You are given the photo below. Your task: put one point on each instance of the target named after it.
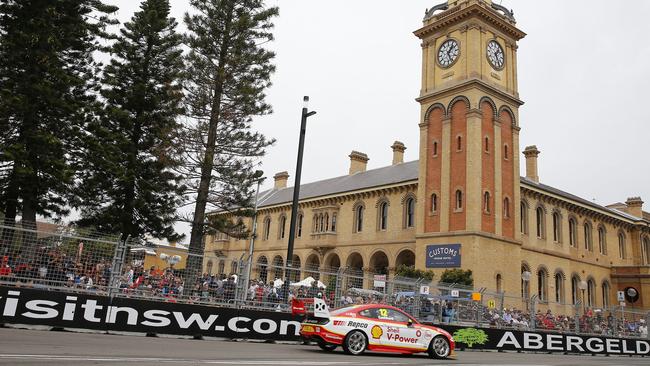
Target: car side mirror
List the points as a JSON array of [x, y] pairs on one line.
[[409, 323]]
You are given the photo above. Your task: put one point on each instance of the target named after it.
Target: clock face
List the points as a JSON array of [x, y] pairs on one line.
[[495, 55], [448, 53]]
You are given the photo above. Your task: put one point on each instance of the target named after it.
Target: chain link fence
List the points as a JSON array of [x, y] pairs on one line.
[[58, 258]]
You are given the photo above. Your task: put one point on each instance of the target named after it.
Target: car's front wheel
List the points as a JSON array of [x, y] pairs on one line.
[[439, 347], [326, 346], [355, 343]]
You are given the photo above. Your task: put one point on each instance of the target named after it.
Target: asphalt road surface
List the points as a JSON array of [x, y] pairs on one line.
[[39, 347]]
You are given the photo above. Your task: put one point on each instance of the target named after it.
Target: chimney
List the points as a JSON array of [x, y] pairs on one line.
[[635, 206], [531, 154], [398, 152], [358, 162], [281, 180]]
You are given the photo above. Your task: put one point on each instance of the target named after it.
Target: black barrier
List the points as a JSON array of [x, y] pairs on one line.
[[69, 310], [516, 340]]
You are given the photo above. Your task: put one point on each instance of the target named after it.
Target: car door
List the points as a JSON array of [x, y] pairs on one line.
[[399, 332]]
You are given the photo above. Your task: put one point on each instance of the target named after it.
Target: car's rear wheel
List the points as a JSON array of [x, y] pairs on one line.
[[326, 346], [355, 343], [439, 347]]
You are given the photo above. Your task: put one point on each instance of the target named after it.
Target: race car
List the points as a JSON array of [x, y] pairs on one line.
[[374, 327]]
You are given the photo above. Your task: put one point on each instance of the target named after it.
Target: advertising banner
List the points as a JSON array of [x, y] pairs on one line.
[[525, 341], [443, 256], [68, 310]]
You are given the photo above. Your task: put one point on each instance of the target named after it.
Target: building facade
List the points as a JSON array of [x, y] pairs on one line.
[[465, 189]]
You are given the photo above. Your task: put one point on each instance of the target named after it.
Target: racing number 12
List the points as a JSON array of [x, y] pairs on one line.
[[383, 312]]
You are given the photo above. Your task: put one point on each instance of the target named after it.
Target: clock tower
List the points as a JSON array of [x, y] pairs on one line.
[[469, 131]]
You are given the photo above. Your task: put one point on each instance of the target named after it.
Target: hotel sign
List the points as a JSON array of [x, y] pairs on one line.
[[443, 256]]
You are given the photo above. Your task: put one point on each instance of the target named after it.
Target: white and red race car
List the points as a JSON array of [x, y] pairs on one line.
[[374, 327]]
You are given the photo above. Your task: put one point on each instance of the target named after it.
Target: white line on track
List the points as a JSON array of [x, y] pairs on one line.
[[193, 361]]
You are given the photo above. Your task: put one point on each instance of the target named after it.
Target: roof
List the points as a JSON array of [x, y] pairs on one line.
[[392, 174], [395, 174]]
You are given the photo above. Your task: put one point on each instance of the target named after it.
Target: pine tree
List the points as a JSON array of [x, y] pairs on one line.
[[129, 183], [47, 88], [229, 72]]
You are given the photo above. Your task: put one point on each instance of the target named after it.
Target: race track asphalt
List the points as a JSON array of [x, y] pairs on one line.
[[42, 347]]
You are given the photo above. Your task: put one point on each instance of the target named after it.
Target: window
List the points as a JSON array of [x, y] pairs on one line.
[[542, 285], [559, 288], [602, 240], [573, 232], [574, 289], [209, 267], [333, 223], [646, 250], [358, 218], [283, 225], [487, 144], [299, 231], [435, 148], [434, 203], [459, 143], [524, 217], [621, 246], [505, 152], [409, 220], [267, 228], [321, 222], [606, 294], [557, 226], [591, 293], [506, 208], [540, 222], [459, 200], [327, 222], [385, 314], [486, 202], [499, 283], [383, 215], [525, 288], [589, 244]]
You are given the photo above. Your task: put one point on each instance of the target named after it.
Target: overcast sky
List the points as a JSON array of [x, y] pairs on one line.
[[584, 76]]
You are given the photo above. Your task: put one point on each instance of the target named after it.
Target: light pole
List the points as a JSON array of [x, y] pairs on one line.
[[582, 285], [525, 278], [296, 194]]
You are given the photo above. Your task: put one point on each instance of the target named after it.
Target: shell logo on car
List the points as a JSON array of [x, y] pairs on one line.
[[374, 327]]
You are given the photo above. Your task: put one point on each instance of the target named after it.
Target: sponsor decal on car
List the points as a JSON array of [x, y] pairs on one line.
[[418, 333], [392, 330], [356, 324], [376, 332], [339, 322], [399, 338]]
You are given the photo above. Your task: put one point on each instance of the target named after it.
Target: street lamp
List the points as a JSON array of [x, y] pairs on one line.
[[582, 285], [296, 193], [525, 278]]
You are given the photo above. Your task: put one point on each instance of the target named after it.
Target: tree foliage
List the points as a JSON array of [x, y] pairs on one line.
[[457, 276], [411, 272], [129, 183]]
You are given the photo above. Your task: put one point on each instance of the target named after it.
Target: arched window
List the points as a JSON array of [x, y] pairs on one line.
[[559, 288], [315, 224], [383, 215], [541, 227], [409, 219], [542, 285], [267, 228], [459, 199], [602, 240], [208, 267], [434, 203], [321, 222], [487, 144], [299, 228], [525, 283], [435, 148], [283, 226], [486, 202], [589, 243], [524, 217], [575, 296], [506, 208], [606, 294], [557, 227], [505, 151], [499, 283], [573, 232], [358, 218], [327, 222], [622, 252], [591, 293], [333, 222], [222, 266], [646, 250], [459, 143]]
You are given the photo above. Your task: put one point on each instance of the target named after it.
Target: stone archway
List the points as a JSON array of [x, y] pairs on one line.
[[312, 266], [379, 263], [277, 267], [262, 268], [354, 271], [405, 258], [294, 275], [333, 262]]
